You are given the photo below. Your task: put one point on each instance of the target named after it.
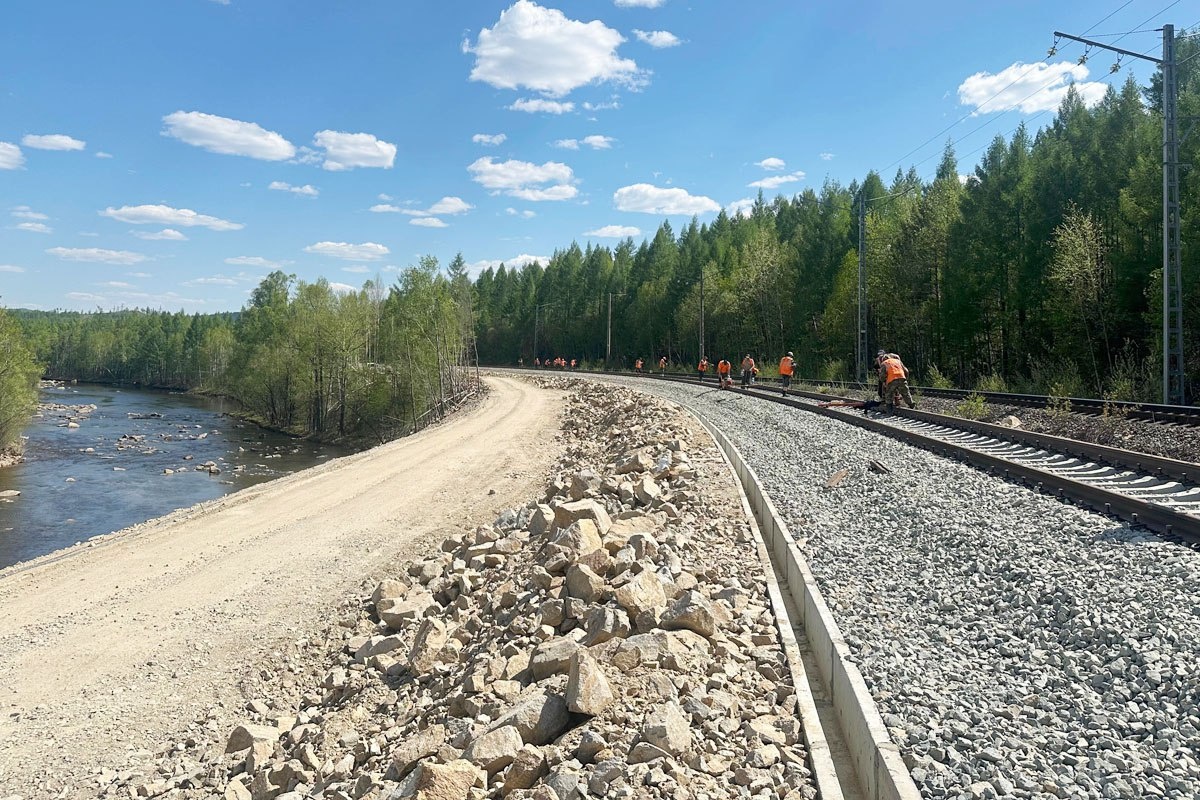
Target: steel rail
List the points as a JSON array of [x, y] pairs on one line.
[[1152, 412], [1156, 517]]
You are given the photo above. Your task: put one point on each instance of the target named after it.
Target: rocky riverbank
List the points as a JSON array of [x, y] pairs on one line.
[[610, 638]]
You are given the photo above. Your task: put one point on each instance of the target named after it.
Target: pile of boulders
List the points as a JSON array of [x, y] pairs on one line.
[[612, 638]]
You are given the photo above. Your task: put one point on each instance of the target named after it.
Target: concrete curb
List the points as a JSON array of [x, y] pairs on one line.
[[820, 759], [878, 765]]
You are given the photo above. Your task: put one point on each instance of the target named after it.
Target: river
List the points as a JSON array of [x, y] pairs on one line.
[[110, 472]]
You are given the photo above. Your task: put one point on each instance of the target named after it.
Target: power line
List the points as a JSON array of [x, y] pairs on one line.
[[1015, 80]]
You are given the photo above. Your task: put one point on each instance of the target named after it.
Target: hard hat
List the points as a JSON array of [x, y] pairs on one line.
[[789, 352]]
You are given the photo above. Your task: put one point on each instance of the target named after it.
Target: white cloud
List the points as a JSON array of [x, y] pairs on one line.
[[525, 180], [10, 156], [165, 235], [655, 200], [614, 232], [342, 288], [52, 141], [1035, 87], [25, 212], [215, 280], [255, 261], [165, 215], [516, 262], [138, 275], [450, 205], [229, 137], [35, 227], [356, 270], [525, 213], [345, 151], [86, 297], [306, 190], [567, 144], [387, 208], [427, 222], [11, 268], [657, 39], [639, 3], [489, 139], [740, 208], [385, 197], [613, 104], [775, 181], [598, 142], [117, 284], [541, 106], [542, 49], [368, 251], [96, 254], [827, 156], [102, 154], [772, 164]]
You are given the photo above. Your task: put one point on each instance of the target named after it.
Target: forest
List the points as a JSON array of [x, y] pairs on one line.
[[300, 357], [1038, 271]]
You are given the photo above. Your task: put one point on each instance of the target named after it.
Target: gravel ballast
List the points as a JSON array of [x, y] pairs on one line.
[[1016, 646]]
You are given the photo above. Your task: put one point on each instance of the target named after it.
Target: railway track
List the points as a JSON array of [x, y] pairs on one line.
[[1158, 493], [1151, 412]]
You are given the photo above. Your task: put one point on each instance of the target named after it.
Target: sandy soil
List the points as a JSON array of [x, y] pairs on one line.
[[106, 650]]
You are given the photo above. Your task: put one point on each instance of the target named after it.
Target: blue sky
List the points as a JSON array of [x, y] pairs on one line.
[[170, 153]]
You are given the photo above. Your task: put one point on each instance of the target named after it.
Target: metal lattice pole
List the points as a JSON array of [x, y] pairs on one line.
[[861, 348], [1173, 388]]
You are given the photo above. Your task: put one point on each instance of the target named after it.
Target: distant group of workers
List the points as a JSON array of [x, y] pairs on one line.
[[557, 363], [892, 375]]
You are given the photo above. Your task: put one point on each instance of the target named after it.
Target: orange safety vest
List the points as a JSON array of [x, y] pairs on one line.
[[747, 363], [892, 370], [638, 363], [786, 364], [723, 367], [703, 365], [662, 363]]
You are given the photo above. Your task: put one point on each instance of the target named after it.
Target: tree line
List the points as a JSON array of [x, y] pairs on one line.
[[299, 357], [19, 373], [1040, 271]]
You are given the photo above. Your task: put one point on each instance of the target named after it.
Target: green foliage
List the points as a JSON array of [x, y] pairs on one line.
[[300, 357], [833, 371], [18, 382], [991, 383], [973, 406], [937, 380], [1058, 403]]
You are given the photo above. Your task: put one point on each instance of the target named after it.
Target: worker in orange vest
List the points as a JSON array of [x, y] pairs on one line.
[[573, 363], [787, 366], [662, 365], [893, 380], [748, 370], [723, 368], [637, 365], [537, 362], [702, 367]]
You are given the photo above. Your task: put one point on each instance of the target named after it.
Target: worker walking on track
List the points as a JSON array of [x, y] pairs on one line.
[[723, 369], [637, 365], [787, 365], [662, 366], [702, 367], [893, 380], [748, 370]]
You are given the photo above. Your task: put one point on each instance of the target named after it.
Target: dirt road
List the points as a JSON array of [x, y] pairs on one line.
[[105, 650]]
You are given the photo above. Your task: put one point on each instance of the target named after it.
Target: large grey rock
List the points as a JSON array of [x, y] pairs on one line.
[[567, 514], [552, 657], [415, 747], [430, 639], [432, 781], [579, 538], [391, 589], [528, 765], [540, 716], [396, 613], [583, 583], [495, 750], [668, 729], [588, 691], [246, 735], [642, 594], [692, 611], [638, 462]]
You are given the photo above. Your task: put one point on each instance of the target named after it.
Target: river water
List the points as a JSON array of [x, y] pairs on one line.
[[78, 482]]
